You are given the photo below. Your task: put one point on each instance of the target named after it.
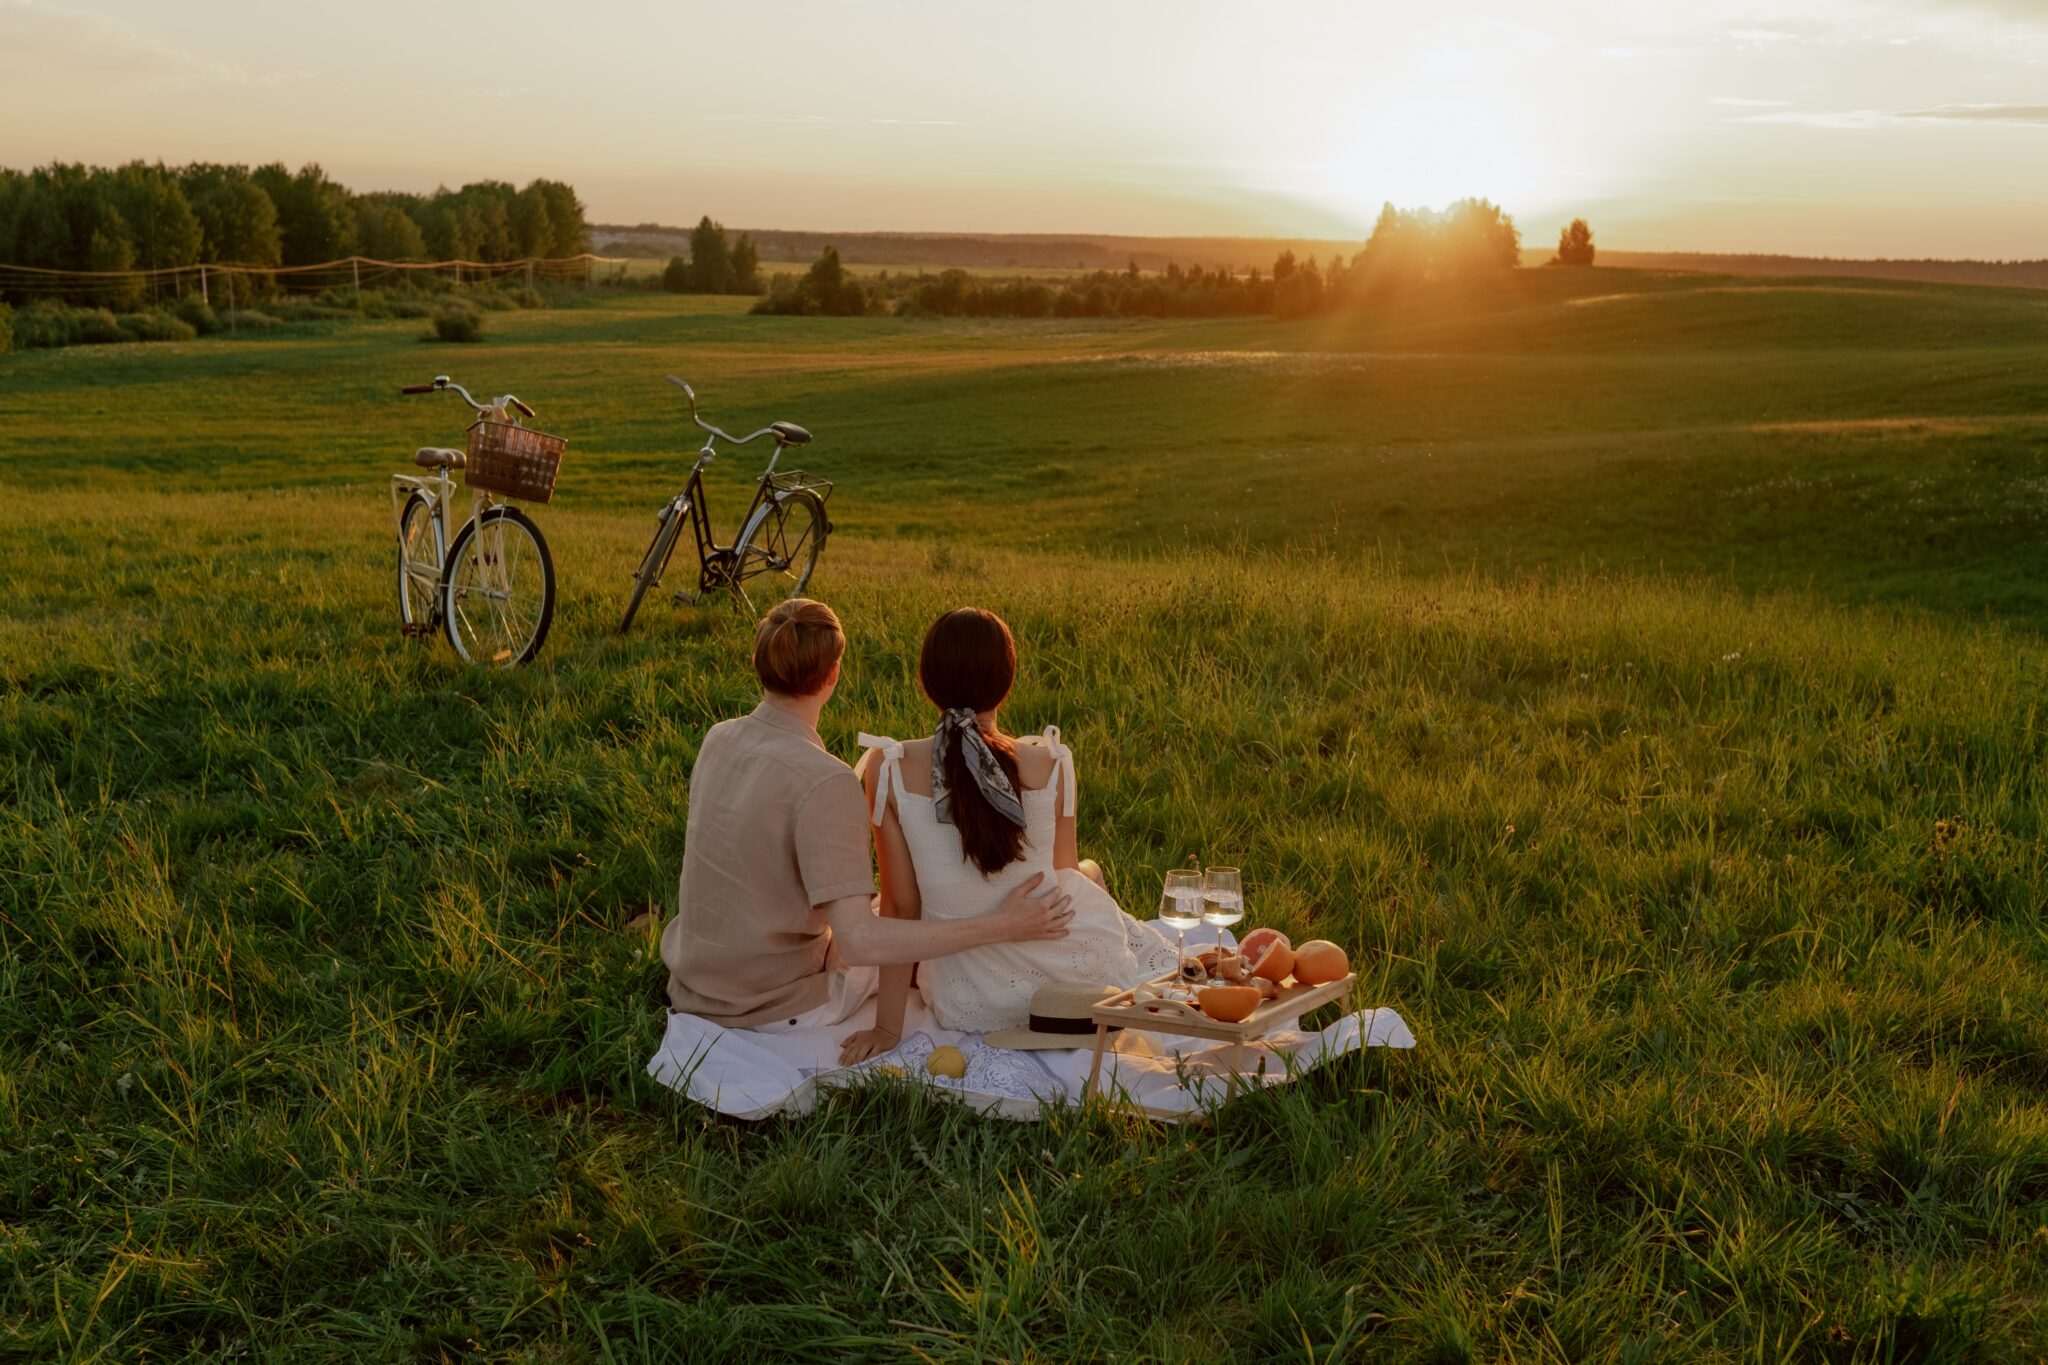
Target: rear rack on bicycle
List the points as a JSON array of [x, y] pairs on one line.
[[789, 480]]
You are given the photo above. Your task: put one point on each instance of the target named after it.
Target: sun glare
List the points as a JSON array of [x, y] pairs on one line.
[[1427, 146]]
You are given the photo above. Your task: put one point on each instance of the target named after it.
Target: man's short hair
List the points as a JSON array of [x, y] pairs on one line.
[[796, 646]]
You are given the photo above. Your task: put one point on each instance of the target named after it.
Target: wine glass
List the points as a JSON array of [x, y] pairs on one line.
[[1181, 909], [1222, 899]]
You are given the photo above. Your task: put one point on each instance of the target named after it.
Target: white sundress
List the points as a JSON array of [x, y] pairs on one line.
[[991, 987]]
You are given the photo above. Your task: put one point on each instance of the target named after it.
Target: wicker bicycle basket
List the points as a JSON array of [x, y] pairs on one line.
[[513, 460]]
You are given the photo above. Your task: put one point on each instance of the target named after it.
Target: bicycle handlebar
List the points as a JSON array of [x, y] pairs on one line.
[[731, 439], [443, 382]]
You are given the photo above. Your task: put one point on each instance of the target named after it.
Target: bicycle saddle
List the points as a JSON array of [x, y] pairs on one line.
[[434, 457], [790, 434]]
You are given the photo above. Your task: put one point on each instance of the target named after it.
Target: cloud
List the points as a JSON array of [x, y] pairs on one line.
[[41, 44], [2023, 114], [2009, 115], [1825, 118], [1738, 102], [1760, 37]]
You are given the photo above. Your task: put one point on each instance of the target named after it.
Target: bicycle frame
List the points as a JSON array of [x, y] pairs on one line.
[[692, 499], [758, 548], [691, 502], [438, 488]]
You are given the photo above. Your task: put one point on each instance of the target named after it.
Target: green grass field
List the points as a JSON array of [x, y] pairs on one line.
[[1642, 673]]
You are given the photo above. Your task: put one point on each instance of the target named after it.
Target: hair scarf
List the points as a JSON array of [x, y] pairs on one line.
[[958, 727]]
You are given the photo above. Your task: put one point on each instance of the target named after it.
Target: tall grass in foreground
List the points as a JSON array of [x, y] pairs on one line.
[[321, 1029]]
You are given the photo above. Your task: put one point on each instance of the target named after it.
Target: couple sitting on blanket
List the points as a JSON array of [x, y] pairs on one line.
[[776, 924]]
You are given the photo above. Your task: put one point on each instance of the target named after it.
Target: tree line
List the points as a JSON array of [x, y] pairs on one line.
[[145, 216], [1469, 240]]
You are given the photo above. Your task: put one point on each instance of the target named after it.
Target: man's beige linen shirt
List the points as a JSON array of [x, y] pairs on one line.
[[778, 827]]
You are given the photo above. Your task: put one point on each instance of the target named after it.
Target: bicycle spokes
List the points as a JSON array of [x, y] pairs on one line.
[[498, 598]]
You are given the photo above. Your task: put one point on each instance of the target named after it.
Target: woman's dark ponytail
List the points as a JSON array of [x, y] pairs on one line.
[[969, 660]]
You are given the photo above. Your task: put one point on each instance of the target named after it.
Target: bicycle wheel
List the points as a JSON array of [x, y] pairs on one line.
[[779, 552], [420, 555], [498, 589], [654, 563]]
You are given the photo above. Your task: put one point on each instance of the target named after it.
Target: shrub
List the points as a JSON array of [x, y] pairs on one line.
[[196, 314], [45, 322], [529, 297], [99, 327], [409, 308], [456, 320], [6, 328], [246, 320], [307, 310], [155, 325], [493, 300]]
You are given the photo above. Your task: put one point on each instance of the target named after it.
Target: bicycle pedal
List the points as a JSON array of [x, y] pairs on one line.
[[414, 630], [689, 599]]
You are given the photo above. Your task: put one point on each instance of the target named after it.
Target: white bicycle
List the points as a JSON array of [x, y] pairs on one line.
[[489, 586]]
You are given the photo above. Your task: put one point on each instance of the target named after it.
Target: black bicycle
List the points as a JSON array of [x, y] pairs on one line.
[[780, 537]]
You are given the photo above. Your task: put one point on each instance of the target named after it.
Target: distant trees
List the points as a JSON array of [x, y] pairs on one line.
[[385, 230], [824, 290], [145, 216], [64, 217], [1472, 237], [315, 221], [714, 267], [1298, 290], [955, 293], [162, 229], [1177, 292], [237, 220], [1575, 244], [746, 266], [710, 261]]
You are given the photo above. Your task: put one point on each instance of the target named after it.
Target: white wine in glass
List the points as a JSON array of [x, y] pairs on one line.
[[1180, 909], [1222, 898]]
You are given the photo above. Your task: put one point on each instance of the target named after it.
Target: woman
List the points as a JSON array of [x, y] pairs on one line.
[[959, 818]]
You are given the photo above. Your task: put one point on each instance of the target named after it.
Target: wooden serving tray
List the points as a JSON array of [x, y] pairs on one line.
[[1121, 1010]]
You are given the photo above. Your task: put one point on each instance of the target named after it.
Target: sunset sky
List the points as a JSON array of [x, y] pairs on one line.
[[1845, 127]]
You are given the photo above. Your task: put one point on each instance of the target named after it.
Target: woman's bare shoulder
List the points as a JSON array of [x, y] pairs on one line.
[[1034, 761]]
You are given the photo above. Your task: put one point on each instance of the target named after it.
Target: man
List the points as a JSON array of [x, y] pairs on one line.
[[775, 925]]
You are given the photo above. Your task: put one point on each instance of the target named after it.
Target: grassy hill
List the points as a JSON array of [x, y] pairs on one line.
[[1638, 671]]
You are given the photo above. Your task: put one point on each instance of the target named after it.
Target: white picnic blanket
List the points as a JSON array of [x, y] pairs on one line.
[[750, 1075]]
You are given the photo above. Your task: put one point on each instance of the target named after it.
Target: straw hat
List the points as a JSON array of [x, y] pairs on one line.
[[1062, 1015]]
